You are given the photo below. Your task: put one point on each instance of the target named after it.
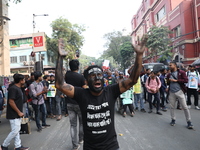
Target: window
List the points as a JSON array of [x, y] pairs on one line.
[[13, 59], [22, 58], [13, 42], [31, 58], [160, 14], [177, 31]]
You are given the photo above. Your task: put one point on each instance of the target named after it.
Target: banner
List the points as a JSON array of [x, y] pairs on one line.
[[39, 40], [52, 91]]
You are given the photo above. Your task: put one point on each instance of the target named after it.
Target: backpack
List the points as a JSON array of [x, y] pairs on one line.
[[29, 93], [1, 100], [150, 79]]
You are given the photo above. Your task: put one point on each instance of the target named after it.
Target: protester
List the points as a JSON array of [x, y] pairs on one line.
[[192, 87], [163, 89], [137, 90], [143, 79], [74, 78], [153, 85], [15, 112], [176, 80], [37, 90], [2, 102], [97, 103], [127, 102]]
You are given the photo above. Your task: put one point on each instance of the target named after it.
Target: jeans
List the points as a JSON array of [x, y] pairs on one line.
[[58, 105], [14, 134], [191, 92], [53, 105], [137, 98], [181, 98], [163, 97], [156, 99], [130, 106], [40, 108], [74, 112]]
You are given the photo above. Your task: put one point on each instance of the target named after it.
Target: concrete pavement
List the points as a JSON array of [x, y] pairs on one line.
[[142, 132]]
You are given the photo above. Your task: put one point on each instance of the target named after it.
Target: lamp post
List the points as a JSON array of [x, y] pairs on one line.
[[34, 15]]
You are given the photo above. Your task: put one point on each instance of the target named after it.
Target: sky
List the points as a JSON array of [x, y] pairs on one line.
[[99, 17]]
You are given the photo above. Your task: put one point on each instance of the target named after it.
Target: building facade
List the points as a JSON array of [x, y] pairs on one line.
[[22, 58], [183, 19]]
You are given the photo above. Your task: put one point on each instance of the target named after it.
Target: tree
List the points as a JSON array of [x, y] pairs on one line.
[[114, 41], [127, 54], [71, 34], [159, 42]]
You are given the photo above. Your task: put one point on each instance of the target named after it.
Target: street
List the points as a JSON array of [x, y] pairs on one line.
[[142, 132]]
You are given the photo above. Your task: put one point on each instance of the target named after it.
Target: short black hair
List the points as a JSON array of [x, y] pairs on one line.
[[46, 76], [32, 73], [173, 62], [37, 74], [17, 77], [74, 64], [85, 73]]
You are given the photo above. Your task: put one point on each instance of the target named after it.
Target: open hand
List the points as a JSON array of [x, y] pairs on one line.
[[140, 47]]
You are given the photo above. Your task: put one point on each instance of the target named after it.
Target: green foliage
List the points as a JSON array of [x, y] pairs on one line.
[[71, 34], [113, 52], [126, 51], [159, 42]]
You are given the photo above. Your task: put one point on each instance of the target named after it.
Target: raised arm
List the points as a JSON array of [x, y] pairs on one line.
[[135, 70], [65, 88]]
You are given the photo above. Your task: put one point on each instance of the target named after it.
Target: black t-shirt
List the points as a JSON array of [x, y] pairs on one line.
[[98, 117], [74, 79], [16, 94]]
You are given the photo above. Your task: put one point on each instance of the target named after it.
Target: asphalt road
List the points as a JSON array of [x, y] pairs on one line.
[[142, 132]]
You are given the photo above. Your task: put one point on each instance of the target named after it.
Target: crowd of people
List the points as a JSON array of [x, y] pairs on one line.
[[91, 97]]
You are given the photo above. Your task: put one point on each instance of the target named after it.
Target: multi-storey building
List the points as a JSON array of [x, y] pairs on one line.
[[181, 16], [22, 58]]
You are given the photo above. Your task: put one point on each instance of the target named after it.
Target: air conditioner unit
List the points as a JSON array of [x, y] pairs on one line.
[[32, 62], [25, 63]]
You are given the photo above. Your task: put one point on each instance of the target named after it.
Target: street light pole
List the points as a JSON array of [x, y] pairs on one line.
[[34, 15]]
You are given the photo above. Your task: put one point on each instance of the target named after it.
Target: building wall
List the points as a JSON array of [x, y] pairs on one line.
[[21, 45], [4, 40], [177, 13]]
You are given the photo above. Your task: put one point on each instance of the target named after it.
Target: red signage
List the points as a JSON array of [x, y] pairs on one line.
[[38, 41]]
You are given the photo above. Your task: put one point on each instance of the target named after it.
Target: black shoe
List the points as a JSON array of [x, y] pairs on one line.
[[150, 111], [46, 125], [159, 113], [190, 126], [143, 110], [136, 108], [22, 148], [39, 130], [4, 148], [172, 123]]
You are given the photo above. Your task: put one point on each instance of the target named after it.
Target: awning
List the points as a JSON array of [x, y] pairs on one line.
[[196, 62]]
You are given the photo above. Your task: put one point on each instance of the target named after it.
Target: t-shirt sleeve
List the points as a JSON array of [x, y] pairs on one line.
[[114, 90], [78, 91], [12, 93]]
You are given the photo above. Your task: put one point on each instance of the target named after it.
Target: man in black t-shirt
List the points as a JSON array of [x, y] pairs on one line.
[[74, 78], [14, 112], [97, 103]]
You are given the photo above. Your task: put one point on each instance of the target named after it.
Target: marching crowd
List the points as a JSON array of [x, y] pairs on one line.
[[91, 98]]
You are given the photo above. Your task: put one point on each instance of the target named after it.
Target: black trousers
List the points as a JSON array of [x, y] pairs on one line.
[[191, 92]]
